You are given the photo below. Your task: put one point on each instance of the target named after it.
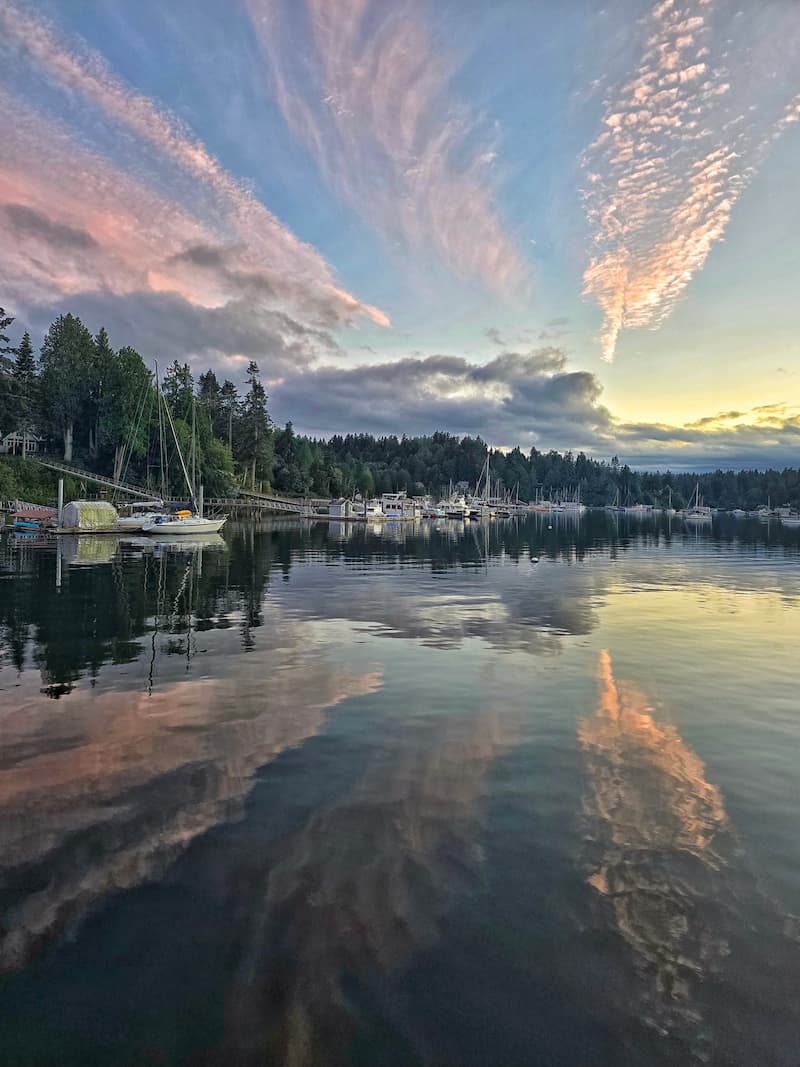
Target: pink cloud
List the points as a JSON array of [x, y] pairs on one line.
[[375, 108], [674, 156], [269, 242]]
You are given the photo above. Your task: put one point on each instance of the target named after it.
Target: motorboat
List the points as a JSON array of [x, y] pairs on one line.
[[456, 508]]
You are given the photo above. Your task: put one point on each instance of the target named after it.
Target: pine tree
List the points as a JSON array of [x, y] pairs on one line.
[[101, 371], [178, 389], [208, 391], [67, 356], [227, 413], [5, 322], [25, 382], [255, 429]]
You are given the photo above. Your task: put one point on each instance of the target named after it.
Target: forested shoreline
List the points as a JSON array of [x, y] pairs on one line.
[[96, 406]]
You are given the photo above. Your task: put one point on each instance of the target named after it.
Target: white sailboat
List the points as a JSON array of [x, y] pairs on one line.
[[479, 505], [186, 522], [697, 512]]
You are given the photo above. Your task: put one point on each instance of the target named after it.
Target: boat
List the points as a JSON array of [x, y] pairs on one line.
[[479, 503], [399, 507], [31, 516], [456, 507], [615, 507], [186, 522], [373, 511], [138, 519], [433, 511], [669, 509], [697, 512], [739, 513], [791, 519], [571, 506]]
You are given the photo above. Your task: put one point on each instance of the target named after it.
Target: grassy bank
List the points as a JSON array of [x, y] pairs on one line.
[[24, 479]]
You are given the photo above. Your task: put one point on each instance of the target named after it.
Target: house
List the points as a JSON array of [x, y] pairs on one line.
[[344, 509], [20, 443]]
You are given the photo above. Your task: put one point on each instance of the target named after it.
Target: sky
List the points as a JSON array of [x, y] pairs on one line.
[[560, 225]]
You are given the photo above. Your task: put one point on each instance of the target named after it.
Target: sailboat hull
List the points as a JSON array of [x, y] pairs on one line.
[[185, 526]]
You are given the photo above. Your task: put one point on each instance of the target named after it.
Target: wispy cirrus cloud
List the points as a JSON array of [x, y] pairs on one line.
[[369, 93], [264, 241], [681, 139]]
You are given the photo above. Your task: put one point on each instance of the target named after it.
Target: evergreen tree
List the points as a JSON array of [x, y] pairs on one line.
[[127, 404], [6, 400], [255, 429], [66, 360], [227, 413], [101, 370], [178, 389], [25, 382], [5, 322], [208, 394]]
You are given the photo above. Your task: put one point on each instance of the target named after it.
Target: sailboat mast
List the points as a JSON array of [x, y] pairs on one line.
[[168, 413], [162, 440], [194, 448]]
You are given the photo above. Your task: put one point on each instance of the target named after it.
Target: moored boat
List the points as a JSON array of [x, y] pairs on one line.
[[183, 522], [138, 519], [697, 511]]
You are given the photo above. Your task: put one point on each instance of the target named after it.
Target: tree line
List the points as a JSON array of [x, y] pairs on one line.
[[98, 407]]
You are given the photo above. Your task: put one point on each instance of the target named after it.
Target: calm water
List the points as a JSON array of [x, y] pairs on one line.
[[342, 795]]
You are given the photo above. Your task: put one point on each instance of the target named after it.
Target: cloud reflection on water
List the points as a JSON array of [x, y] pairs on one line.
[[671, 880], [106, 794], [363, 888]]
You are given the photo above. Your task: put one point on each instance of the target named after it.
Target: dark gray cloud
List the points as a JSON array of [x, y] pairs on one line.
[[29, 223], [165, 326], [227, 268], [527, 398]]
